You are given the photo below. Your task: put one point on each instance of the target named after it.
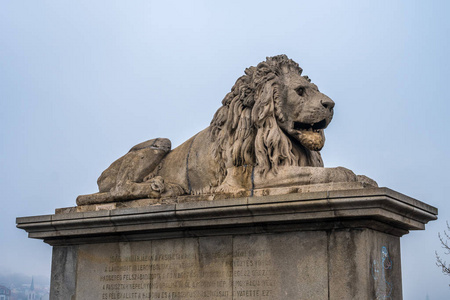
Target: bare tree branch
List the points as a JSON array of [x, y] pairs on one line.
[[445, 240]]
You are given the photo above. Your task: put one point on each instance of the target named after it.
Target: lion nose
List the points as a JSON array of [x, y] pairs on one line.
[[327, 103]]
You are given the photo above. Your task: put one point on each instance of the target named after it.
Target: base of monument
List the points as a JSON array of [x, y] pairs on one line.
[[320, 245]]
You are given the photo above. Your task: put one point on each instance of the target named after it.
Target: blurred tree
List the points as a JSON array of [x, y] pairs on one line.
[[445, 240]]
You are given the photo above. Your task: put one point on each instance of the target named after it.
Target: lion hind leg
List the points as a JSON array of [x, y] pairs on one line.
[[142, 159], [107, 179], [122, 179], [135, 165]]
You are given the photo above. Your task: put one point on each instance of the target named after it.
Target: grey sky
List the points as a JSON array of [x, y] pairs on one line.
[[81, 82]]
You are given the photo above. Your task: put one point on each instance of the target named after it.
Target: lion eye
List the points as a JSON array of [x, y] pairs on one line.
[[300, 91]]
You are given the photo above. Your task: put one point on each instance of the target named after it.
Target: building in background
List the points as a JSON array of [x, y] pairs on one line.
[[31, 293], [5, 293]]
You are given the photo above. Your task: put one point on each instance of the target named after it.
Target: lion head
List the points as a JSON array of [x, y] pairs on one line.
[[272, 117]]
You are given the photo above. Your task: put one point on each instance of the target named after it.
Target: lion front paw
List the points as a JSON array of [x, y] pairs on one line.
[[173, 190], [166, 189], [226, 188], [157, 184]]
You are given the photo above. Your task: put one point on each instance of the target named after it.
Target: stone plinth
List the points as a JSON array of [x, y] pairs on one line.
[[320, 245]]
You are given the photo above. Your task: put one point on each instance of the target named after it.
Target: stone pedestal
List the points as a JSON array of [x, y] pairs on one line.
[[320, 245]]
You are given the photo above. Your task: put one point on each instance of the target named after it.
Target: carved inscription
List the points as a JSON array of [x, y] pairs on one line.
[[186, 277], [126, 277], [254, 275], [176, 269]]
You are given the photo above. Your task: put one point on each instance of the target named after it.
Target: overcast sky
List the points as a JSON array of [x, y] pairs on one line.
[[81, 82]]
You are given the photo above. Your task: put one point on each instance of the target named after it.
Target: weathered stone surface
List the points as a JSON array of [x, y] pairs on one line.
[[64, 272], [378, 208], [309, 265], [317, 245], [267, 135], [283, 266], [274, 191], [114, 271], [193, 268], [365, 264], [286, 266]]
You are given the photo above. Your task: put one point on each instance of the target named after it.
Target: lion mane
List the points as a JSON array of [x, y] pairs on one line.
[[245, 129]]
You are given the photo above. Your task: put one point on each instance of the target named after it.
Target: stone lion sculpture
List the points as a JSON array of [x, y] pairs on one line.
[[267, 134]]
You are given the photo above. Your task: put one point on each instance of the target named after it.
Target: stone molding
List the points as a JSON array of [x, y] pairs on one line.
[[381, 209]]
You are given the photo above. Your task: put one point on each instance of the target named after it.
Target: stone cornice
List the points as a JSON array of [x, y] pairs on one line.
[[381, 209]]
